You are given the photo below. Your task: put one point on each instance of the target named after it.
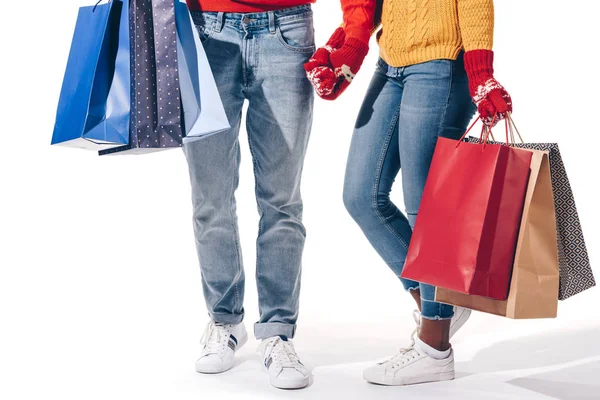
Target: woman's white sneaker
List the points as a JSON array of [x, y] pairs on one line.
[[283, 365], [461, 315], [411, 366], [219, 344]]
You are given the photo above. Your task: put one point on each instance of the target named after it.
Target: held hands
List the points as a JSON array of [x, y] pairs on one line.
[[333, 67], [319, 70], [492, 100]]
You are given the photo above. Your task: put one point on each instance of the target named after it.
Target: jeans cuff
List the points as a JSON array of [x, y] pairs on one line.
[[410, 285], [436, 318], [229, 319], [436, 311], [270, 329]]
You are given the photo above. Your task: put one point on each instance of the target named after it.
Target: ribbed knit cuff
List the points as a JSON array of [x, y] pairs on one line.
[[479, 65], [355, 49], [358, 34]]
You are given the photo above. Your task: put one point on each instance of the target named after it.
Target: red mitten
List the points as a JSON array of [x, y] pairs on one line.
[[346, 62], [321, 56], [332, 67], [490, 97], [318, 68]]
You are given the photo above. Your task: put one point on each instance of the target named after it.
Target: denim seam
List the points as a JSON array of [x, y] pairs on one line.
[[244, 54], [447, 99], [378, 179], [234, 226], [254, 168], [293, 17]]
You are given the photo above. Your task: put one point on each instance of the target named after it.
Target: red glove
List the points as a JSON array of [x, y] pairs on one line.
[[492, 100], [333, 67]]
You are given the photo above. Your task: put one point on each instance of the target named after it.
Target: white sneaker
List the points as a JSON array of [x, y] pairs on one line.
[[284, 367], [461, 315], [220, 343], [411, 366]]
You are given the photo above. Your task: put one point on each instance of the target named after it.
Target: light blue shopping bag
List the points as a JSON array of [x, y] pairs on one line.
[[203, 110], [94, 105]]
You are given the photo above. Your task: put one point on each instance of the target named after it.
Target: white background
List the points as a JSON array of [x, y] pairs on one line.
[[100, 292]]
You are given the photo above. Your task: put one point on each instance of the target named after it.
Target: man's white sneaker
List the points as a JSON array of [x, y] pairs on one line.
[[411, 366], [283, 365], [461, 315], [219, 344]]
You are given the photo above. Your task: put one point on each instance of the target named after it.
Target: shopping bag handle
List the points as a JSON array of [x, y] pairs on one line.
[[486, 132], [98, 3], [513, 128]]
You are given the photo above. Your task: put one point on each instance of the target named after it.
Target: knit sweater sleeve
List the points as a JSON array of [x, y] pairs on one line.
[[358, 18], [476, 21]]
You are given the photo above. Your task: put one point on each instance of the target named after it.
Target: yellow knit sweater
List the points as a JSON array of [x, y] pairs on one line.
[[416, 31]]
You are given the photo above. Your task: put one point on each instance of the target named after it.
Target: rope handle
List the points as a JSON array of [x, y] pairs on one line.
[[486, 131]]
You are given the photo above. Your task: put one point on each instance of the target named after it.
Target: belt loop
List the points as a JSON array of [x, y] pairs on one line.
[[272, 22], [220, 18]]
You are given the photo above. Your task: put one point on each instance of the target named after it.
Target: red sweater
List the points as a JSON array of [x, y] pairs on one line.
[[358, 14]]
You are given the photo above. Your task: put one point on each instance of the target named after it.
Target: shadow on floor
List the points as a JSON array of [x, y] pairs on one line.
[[535, 351], [579, 350]]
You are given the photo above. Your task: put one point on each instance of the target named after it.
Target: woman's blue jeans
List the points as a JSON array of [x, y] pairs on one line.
[[404, 112]]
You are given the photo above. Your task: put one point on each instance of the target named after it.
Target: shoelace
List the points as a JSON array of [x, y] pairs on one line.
[[214, 338], [409, 353], [283, 353]]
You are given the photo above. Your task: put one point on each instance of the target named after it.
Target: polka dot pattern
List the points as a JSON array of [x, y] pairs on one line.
[[155, 94], [167, 75]]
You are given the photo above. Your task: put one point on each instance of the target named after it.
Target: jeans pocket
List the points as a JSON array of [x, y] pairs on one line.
[[205, 25], [297, 34]]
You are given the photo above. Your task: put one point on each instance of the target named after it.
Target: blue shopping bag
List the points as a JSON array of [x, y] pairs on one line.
[[94, 105], [203, 110]]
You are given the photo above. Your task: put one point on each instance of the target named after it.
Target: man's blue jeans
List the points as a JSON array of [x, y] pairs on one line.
[[256, 58], [404, 112]]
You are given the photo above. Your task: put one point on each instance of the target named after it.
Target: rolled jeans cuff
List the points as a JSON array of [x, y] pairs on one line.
[[270, 329], [410, 285], [228, 319], [436, 311]]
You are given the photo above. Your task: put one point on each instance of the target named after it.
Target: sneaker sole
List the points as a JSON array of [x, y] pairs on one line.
[[209, 370], [446, 376], [281, 384], [218, 369]]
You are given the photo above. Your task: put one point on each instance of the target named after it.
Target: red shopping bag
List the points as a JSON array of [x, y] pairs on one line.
[[466, 231]]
